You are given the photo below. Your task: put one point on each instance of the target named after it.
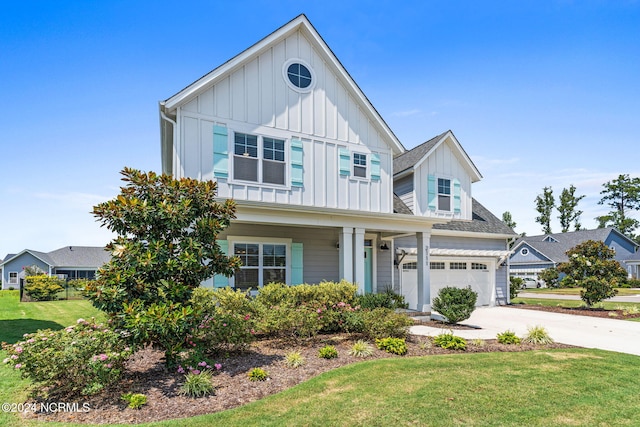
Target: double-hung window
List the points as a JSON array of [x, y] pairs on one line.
[[259, 159], [360, 165], [444, 194], [262, 263], [13, 278]]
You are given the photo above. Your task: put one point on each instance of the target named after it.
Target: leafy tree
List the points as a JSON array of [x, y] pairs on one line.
[[508, 220], [592, 267], [544, 205], [568, 209], [166, 246], [455, 304], [550, 276], [622, 195]]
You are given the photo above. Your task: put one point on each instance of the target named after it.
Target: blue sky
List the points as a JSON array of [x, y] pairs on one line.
[[540, 93]]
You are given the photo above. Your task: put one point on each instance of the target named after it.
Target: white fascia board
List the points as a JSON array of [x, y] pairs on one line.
[[470, 234], [474, 172], [277, 214]]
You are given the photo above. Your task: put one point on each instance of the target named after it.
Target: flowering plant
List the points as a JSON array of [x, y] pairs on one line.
[[84, 358]]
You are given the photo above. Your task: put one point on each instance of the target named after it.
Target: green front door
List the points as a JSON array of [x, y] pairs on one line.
[[368, 269]]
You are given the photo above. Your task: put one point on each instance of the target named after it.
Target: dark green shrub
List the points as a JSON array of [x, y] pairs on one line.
[[386, 299], [450, 342], [392, 345], [84, 358], [455, 304], [515, 284], [384, 322], [596, 290], [328, 352], [508, 337], [43, 287]]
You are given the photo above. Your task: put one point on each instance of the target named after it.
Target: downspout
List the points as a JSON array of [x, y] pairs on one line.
[[173, 137]]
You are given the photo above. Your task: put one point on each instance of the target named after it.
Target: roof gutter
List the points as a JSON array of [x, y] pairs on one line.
[[167, 152]]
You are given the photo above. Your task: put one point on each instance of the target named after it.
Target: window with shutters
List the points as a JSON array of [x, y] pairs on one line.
[[444, 194], [360, 165], [262, 263], [259, 159]]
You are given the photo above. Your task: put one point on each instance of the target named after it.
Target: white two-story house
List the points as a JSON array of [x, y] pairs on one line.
[[324, 189]]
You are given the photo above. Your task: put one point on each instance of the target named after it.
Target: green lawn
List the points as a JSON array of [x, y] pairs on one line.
[[18, 318], [576, 291], [538, 388]]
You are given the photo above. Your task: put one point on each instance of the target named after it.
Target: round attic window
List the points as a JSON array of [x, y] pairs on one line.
[[298, 75], [524, 252]]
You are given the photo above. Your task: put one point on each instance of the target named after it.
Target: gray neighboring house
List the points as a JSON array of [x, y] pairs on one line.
[[532, 254], [69, 262]]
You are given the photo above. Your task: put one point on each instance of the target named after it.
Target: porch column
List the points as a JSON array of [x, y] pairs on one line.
[[358, 259], [346, 254], [424, 281]]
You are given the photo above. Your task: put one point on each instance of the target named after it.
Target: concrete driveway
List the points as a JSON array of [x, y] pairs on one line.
[[590, 332]]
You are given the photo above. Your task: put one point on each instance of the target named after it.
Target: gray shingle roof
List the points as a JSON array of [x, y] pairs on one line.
[[399, 206], [556, 251], [80, 256], [483, 222], [408, 159]]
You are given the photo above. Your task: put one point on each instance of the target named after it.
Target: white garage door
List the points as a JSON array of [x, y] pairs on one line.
[[458, 272]]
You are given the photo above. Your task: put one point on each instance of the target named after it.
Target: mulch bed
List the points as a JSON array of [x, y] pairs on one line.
[[146, 374], [581, 311]]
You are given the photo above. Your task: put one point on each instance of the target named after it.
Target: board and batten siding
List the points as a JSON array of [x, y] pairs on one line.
[[254, 98], [442, 163], [403, 187]]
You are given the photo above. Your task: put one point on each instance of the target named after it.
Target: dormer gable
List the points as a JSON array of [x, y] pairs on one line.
[[434, 179]]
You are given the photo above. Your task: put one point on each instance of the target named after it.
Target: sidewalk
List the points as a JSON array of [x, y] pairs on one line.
[[583, 331]]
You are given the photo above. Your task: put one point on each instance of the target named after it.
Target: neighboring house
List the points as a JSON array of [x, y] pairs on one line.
[[287, 133], [633, 265], [69, 262], [532, 254]]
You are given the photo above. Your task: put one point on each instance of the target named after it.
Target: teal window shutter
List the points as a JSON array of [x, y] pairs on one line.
[[375, 167], [432, 195], [296, 163], [345, 162], [456, 196], [220, 152], [296, 264], [220, 281]]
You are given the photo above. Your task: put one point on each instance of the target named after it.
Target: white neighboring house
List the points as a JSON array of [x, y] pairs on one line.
[[287, 133]]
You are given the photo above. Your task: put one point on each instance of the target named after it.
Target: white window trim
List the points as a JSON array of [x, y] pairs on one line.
[[367, 166], [232, 240], [260, 158], [524, 251], [17, 281], [290, 85], [450, 179]]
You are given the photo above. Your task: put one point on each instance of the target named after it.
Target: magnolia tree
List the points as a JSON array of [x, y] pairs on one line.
[[591, 266], [166, 246]]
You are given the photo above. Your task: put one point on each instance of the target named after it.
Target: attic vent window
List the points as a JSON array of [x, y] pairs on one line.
[[298, 75], [524, 252]]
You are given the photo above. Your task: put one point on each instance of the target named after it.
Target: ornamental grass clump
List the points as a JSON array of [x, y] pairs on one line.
[[537, 335], [361, 349], [79, 359], [294, 359], [197, 383]]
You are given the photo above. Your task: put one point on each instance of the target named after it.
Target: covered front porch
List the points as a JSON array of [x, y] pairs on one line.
[[317, 244]]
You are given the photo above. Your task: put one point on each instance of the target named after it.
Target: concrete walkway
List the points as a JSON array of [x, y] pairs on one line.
[[627, 298], [583, 331]]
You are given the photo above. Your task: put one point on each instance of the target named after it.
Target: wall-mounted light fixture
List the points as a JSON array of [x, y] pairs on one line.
[[338, 245], [384, 247]]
